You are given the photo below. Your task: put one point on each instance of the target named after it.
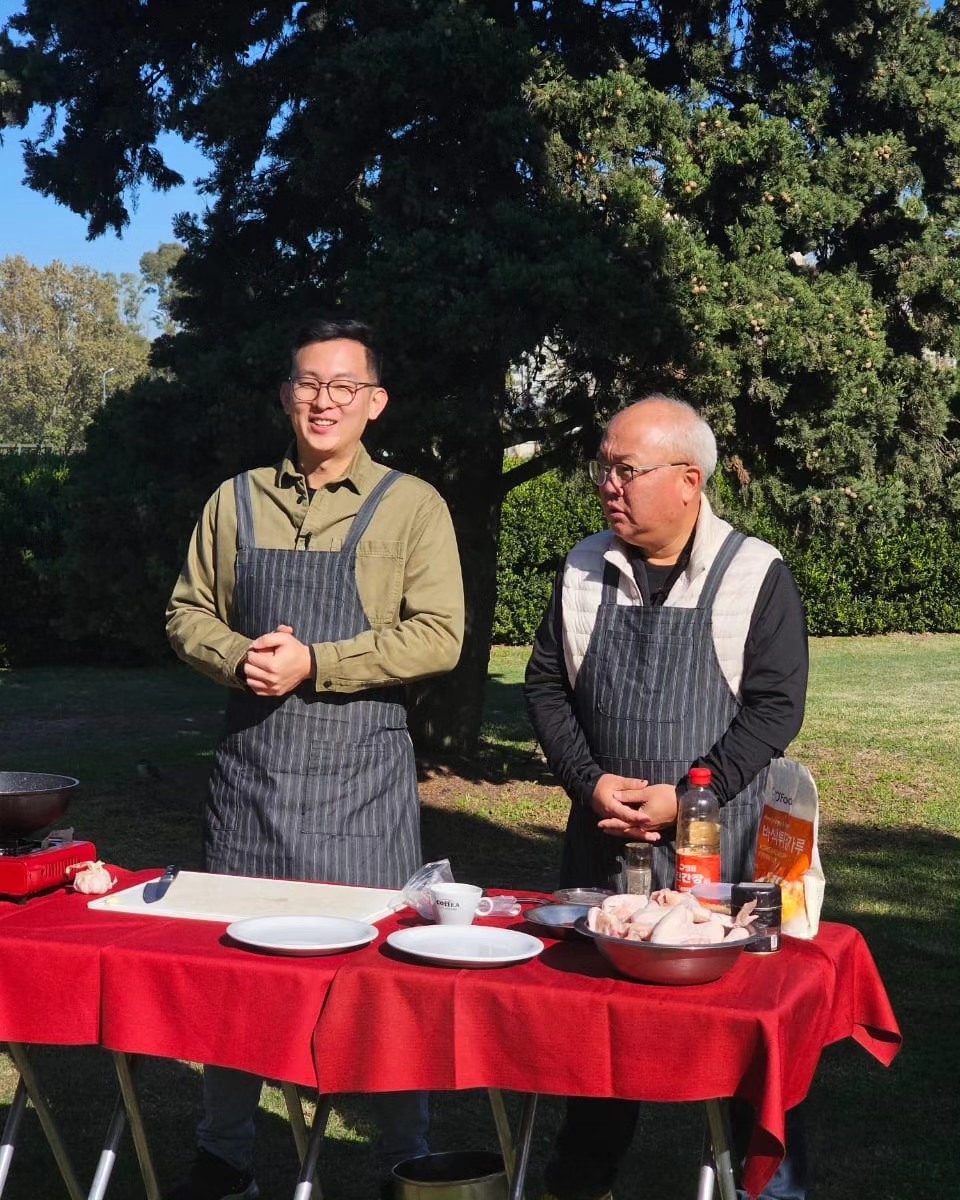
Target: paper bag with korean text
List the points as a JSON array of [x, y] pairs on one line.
[[787, 851]]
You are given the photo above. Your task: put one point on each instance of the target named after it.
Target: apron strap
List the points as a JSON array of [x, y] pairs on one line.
[[245, 534], [731, 544], [241, 492], [367, 509], [611, 583]]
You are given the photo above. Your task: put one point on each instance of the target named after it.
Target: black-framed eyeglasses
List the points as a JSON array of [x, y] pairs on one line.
[[622, 473], [342, 392]]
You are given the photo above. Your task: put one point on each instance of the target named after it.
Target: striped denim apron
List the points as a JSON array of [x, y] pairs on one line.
[[651, 699], [307, 785]]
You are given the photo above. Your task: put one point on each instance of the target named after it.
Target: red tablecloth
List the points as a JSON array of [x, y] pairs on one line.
[[182, 989], [369, 1020], [564, 1024], [50, 947], [172, 988]]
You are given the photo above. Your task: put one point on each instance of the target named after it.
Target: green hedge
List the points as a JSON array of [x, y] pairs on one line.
[[906, 580], [900, 580], [541, 520]]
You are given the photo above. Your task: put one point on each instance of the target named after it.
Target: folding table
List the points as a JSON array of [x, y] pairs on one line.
[[354, 1022]]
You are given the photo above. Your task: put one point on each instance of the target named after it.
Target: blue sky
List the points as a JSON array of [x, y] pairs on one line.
[[42, 230]]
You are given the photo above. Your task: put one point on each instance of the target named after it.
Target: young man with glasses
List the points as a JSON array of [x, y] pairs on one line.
[[670, 641], [315, 589]]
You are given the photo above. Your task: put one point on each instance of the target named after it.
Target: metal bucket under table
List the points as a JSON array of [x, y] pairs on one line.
[[461, 1175]]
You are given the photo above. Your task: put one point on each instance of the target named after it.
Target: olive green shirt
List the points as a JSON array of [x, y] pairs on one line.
[[407, 571]]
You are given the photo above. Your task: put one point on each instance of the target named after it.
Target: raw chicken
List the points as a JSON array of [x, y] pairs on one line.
[[669, 918]]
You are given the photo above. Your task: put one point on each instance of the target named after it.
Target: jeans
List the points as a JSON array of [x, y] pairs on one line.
[[596, 1134], [790, 1179], [230, 1103]]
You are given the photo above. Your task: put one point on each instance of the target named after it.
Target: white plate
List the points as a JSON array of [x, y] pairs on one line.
[[302, 935], [466, 945]]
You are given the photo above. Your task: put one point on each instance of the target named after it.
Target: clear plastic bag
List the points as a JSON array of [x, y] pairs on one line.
[[416, 891]]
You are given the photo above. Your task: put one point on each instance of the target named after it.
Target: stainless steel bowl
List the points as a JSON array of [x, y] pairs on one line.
[[652, 963], [30, 801], [588, 896], [558, 919]]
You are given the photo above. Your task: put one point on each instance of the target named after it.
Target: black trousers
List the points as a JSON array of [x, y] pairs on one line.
[[596, 1135]]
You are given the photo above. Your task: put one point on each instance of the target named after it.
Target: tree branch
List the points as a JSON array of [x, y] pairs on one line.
[[533, 468]]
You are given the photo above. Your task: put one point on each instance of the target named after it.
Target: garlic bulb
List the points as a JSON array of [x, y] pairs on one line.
[[92, 878]]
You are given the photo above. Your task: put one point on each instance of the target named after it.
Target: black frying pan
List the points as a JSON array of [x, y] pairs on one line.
[[31, 801]]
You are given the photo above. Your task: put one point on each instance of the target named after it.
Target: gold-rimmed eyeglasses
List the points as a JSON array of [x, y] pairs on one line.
[[342, 392], [622, 473]]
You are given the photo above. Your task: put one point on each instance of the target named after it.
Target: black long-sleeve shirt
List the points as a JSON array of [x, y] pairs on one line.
[[772, 691]]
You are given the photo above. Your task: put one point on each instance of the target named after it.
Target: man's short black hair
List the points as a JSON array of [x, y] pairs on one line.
[[330, 329]]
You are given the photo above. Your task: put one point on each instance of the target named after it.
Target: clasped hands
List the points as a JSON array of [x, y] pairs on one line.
[[634, 808], [276, 663]]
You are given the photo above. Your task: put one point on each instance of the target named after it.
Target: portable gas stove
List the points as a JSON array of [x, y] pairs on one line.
[[28, 867], [30, 802]]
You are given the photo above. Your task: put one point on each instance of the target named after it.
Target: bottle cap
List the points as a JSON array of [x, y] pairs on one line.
[[700, 776]]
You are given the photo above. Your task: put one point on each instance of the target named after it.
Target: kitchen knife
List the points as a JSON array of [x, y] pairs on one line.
[[156, 889]]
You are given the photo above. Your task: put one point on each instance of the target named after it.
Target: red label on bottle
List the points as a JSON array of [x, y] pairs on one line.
[[694, 869]]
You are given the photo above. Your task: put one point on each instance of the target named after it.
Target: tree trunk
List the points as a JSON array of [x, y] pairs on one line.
[[446, 712]]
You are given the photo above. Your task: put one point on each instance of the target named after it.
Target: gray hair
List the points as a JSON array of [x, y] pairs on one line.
[[688, 437]]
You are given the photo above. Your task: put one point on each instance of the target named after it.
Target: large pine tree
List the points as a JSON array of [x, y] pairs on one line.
[[546, 208]]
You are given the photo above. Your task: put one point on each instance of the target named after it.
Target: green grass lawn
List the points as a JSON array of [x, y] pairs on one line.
[[881, 737]]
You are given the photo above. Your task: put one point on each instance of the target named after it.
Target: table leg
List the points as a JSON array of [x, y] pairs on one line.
[[528, 1115], [108, 1155], [298, 1124], [718, 1120], [310, 1156], [707, 1172], [504, 1134], [123, 1064], [28, 1077], [8, 1144]]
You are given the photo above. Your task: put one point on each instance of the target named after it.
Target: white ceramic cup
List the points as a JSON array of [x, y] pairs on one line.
[[459, 903]]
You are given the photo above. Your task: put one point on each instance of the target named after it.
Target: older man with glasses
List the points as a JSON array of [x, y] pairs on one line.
[[314, 589], [671, 641]]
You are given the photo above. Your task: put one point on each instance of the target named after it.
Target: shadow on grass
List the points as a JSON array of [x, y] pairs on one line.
[[483, 852], [170, 1098], [506, 750]]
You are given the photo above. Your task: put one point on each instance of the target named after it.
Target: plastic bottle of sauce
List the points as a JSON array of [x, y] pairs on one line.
[[698, 833]]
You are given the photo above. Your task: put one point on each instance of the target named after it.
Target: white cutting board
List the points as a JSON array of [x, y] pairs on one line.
[[199, 896]]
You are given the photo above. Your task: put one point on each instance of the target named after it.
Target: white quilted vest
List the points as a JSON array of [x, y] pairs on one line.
[[582, 587]]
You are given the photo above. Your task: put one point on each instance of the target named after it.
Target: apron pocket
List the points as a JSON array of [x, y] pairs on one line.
[[640, 678], [228, 785], [355, 789]]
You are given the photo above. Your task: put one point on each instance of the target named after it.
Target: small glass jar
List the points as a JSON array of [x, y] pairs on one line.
[[638, 868]]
